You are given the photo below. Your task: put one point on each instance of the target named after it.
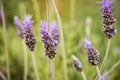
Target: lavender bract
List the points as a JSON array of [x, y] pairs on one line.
[[108, 18], [29, 37], [76, 63], [18, 24], [92, 54], [50, 38]]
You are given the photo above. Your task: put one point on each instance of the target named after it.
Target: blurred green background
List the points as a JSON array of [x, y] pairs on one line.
[[74, 14]]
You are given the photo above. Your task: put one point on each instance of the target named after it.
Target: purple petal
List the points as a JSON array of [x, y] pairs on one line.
[[88, 43], [105, 3], [27, 21]]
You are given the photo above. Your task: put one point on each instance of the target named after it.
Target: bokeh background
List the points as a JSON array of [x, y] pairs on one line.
[[76, 16]]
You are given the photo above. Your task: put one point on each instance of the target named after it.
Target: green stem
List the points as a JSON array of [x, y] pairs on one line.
[[5, 39], [72, 12], [83, 75], [113, 67], [25, 61], [98, 71], [106, 54], [105, 57], [62, 40], [36, 10], [35, 66], [48, 23], [52, 68]]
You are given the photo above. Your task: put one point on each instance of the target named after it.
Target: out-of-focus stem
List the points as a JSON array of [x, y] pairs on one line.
[[62, 40], [5, 39], [22, 9], [25, 61], [98, 71], [52, 68], [48, 23], [106, 54], [36, 10], [88, 22], [114, 66], [83, 75], [35, 66], [72, 12]]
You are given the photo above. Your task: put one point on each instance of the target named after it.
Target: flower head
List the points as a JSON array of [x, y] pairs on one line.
[[92, 54], [108, 18], [76, 63], [18, 24], [29, 37], [50, 37]]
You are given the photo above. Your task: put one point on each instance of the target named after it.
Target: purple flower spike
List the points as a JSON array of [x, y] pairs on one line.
[[18, 24], [50, 38], [104, 77], [92, 54], [76, 63], [29, 37], [108, 18]]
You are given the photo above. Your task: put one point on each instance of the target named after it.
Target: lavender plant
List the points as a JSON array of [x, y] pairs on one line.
[[78, 66], [30, 39], [92, 54], [18, 24], [50, 38], [108, 24]]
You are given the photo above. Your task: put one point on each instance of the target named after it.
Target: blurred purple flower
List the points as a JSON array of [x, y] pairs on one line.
[[76, 63], [50, 38], [0, 15], [92, 54], [108, 18], [104, 76], [18, 24], [29, 37]]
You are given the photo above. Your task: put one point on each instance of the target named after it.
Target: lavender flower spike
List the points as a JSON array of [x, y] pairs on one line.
[[50, 38], [18, 24], [76, 63], [92, 54], [108, 18], [29, 37]]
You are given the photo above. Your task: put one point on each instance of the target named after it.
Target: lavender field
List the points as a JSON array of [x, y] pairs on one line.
[[59, 40]]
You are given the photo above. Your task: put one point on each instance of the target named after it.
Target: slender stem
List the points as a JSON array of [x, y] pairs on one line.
[[35, 66], [25, 61], [36, 10], [72, 12], [5, 39], [83, 75], [98, 71], [52, 68], [106, 54], [62, 40], [113, 67], [48, 23]]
